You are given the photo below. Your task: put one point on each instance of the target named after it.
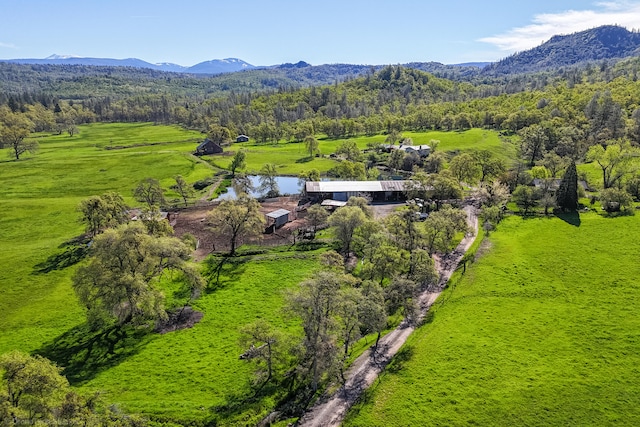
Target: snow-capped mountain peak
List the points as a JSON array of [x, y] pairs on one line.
[[56, 56]]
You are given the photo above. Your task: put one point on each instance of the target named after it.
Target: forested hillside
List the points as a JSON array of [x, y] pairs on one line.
[[393, 98], [595, 44]]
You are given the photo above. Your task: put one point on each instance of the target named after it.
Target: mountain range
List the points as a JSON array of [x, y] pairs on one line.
[[600, 43], [215, 66]]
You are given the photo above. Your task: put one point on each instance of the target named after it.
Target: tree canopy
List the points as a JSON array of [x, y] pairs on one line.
[[234, 221], [120, 281]]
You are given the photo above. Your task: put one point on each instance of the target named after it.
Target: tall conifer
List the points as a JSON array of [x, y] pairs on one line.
[[567, 195]]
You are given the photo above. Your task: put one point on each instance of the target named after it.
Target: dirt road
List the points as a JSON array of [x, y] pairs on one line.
[[331, 409]]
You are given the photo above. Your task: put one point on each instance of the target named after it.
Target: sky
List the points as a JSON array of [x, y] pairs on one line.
[[269, 32]]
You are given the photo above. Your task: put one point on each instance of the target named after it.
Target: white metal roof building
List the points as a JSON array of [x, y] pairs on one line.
[[278, 217], [342, 190]]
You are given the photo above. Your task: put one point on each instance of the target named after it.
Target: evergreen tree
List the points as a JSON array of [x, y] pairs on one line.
[[567, 195]]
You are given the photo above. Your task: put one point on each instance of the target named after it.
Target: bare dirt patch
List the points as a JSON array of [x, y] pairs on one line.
[[193, 220], [384, 210]]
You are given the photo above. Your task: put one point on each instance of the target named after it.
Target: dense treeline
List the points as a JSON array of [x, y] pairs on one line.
[[391, 98], [564, 111]]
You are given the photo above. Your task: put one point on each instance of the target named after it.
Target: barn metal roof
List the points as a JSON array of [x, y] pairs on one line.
[[353, 186], [278, 213], [333, 203]]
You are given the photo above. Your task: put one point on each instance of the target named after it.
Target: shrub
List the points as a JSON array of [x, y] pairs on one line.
[[615, 200], [203, 183]]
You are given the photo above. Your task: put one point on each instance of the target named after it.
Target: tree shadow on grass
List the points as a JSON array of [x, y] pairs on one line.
[[84, 354], [304, 159], [572, 218], [222, 271], [244, 402], [73, 251], [397, 363]]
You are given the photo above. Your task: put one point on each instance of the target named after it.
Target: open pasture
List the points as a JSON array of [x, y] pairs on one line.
[[39, 196], [541, 330], [292, 158], [186, 376]]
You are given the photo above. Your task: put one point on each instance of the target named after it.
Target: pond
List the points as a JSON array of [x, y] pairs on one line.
[[286, 185]]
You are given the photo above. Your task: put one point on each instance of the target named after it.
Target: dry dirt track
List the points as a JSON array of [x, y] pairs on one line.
[[331, 410]]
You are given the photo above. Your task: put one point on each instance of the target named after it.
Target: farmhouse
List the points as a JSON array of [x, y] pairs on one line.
[[377, 191], [242, 138], [554, 184], [208, 147], [421, 150]]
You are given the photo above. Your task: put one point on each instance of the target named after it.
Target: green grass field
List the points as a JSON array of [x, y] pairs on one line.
[[186, 376], [191, 374], [542, 330], [291, 158], [39, 197], [181, 375]]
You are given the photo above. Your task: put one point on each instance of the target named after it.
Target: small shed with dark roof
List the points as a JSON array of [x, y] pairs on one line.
[[242, 138], [208, 147]]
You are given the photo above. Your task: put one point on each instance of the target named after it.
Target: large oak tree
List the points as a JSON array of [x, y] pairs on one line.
[[120, 281], [234, 221]]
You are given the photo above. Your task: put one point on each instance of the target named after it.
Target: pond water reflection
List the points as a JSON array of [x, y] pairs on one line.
[[286, 185]]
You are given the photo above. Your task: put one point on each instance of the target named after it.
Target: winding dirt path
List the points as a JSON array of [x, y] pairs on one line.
[[330, 410]]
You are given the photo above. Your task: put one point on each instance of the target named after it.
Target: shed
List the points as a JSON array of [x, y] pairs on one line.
[[208, 147], [242, 138], [278, 218]]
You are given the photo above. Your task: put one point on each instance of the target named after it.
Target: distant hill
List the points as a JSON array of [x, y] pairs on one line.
[[298, 74], [79, 78], [215, 66], [606, 42], [219, 66]]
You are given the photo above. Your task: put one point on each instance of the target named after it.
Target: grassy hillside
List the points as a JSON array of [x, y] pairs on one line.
[[291, 158], [542, 330], [39, 197]]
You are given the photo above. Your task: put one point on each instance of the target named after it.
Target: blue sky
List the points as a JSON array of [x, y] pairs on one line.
[[266, 32]]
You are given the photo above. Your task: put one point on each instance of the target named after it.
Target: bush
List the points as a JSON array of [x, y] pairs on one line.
[[615, 200], [203, 183], [633, 187]]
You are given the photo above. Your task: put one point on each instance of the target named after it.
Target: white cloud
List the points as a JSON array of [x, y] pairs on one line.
[[544, 26], [8, 45]]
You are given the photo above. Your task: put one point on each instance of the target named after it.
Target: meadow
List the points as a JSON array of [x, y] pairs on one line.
[[540, 330], [186, 376], [177, 376], [40, 194], [292, 158]]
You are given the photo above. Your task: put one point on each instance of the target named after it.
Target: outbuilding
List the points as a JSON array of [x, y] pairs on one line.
[[377, 191], [208, 147], [242, 138], [278, 218]]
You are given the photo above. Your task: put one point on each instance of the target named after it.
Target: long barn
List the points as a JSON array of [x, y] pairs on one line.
[[377, 191]]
